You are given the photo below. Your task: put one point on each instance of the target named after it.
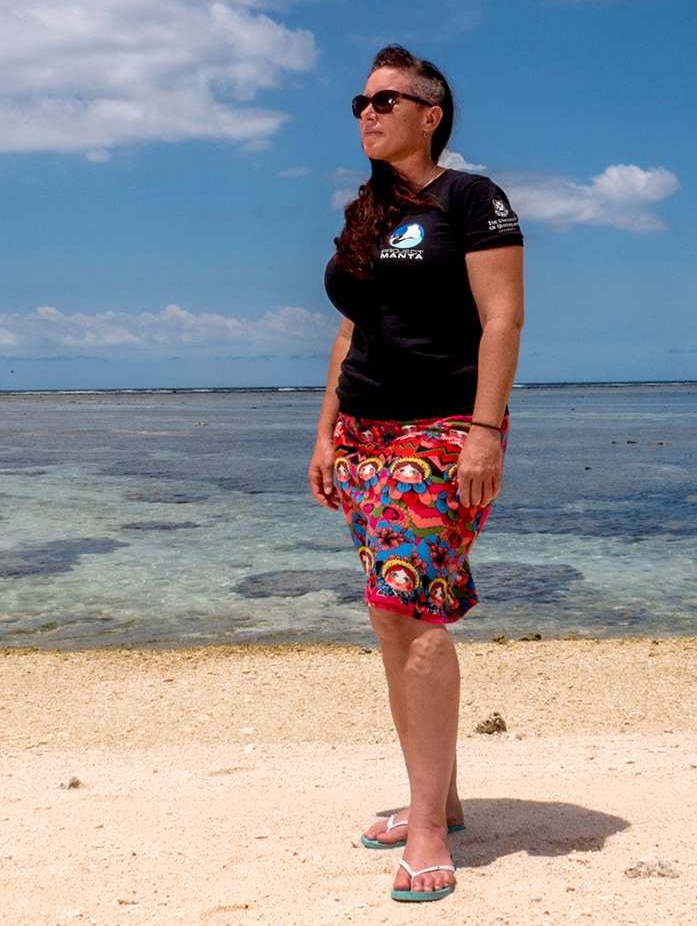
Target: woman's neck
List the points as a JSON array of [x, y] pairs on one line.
[[417, 169]]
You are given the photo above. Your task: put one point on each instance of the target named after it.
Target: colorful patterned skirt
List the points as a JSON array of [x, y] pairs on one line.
[[398, 489]]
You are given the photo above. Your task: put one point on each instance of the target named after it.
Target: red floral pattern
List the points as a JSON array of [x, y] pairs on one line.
[[398, 490]]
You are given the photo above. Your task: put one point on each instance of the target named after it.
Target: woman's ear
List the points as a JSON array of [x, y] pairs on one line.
[[433, 118]]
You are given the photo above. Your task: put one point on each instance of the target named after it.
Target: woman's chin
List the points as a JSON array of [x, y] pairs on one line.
[[373, 148]]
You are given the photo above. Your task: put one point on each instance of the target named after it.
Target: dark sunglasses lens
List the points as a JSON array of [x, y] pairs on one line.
[[383, 101], [358, 104]]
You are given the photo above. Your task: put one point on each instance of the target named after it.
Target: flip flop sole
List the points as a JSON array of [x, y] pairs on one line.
[[376, 844], [422, 896]]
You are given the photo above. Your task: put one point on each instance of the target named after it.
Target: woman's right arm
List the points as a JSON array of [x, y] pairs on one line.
[[320, 470]]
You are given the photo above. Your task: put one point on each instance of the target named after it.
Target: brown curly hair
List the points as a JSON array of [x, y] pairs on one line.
[[386, 195]]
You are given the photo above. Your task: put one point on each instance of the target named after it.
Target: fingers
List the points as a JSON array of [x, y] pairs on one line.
[[471, 495], [327, 482], [479, 472], [490, 489], [330, 492], [478, 492], [322, 487]]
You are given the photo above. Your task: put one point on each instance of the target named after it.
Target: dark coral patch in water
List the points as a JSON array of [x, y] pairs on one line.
[[347, 584], [52, 557]]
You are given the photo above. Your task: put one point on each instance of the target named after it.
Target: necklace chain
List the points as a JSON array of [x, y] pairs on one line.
[[433, 175]]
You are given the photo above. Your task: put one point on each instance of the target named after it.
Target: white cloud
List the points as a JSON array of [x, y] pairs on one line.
[[456, 161], [629, 183], [285, 329], [82, 76], [620, 197]]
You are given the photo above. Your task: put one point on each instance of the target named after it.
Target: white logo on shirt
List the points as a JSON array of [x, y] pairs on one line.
[[406, 236], [394, 254], [500, 207]]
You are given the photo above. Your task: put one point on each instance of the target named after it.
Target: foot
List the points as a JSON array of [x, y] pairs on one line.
[[426, 847], [399, 829]]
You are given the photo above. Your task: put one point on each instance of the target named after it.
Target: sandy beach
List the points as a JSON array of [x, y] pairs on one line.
[[230, 785]]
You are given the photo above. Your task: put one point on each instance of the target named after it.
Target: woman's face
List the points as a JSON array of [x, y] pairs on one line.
[[396, 135]]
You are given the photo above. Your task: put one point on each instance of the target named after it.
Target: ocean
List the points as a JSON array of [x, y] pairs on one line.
[[182, 518]]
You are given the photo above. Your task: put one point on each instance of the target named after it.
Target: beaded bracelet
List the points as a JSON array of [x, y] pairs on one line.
[[483, 424]]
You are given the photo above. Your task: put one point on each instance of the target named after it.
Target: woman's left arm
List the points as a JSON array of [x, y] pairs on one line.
[[496, 280]]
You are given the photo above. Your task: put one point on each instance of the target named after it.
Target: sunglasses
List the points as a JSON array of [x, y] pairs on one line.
[[383, 101]]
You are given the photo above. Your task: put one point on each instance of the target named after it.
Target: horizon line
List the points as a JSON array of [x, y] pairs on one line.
[[538, 384]]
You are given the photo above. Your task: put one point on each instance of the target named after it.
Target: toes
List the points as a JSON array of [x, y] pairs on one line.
[[377, 829], [402, 881], [422, 883], [430, 882]]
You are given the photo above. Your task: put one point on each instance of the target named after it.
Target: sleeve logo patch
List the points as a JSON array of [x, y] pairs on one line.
[[500, 208]]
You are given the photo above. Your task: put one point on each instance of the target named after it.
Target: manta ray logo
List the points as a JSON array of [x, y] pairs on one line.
[[406, 236]]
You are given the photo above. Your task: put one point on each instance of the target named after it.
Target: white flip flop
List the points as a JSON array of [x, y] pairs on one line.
[[391, 825], [421, 896]]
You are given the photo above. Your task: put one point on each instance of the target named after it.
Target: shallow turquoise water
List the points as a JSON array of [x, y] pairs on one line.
[[183, 519]]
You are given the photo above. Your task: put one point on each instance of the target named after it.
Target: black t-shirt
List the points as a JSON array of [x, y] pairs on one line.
[[416, 332]]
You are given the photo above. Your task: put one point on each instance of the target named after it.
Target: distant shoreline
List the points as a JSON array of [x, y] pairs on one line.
[[198, 390]]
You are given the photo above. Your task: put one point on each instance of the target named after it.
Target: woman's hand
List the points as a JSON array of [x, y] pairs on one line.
[[480, 468], [319, 474]]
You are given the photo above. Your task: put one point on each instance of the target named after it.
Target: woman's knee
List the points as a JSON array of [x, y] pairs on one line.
[[428, 651]]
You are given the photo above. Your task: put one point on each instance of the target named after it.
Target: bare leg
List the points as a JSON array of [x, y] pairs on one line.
[[426, 701], [395, 652]]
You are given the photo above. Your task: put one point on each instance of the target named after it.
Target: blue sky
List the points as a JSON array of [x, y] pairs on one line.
[[172, 176]]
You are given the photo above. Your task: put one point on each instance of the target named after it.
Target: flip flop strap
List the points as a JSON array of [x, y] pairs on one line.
[[422, 871], [391, 824]]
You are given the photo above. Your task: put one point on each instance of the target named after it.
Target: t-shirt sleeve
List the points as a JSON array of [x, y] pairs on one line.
[[487, 217]]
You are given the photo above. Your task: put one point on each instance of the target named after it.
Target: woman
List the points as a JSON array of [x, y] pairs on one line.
[[411, 433]]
